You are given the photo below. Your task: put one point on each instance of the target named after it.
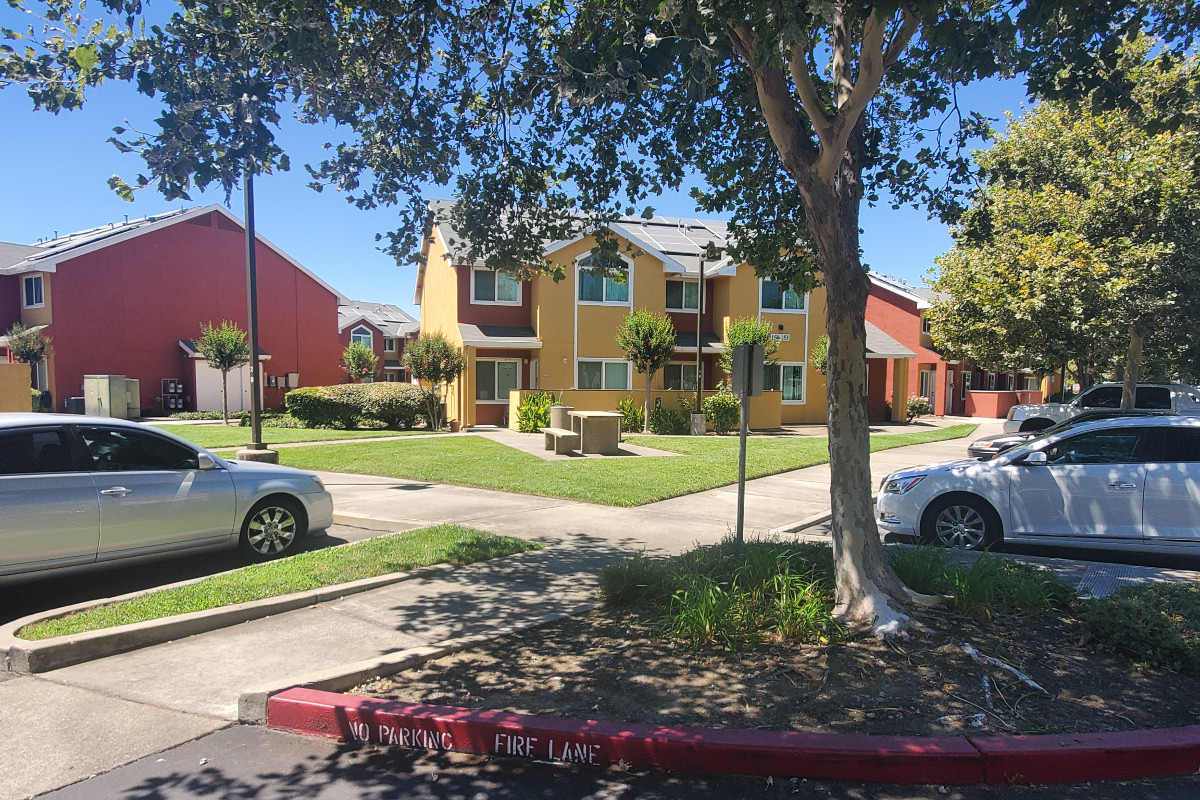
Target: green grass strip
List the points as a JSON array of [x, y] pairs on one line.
[[211, 436], [438, 544], [705, 463]]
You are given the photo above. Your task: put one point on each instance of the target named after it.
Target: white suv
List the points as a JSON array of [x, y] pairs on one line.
[[1177, 397]]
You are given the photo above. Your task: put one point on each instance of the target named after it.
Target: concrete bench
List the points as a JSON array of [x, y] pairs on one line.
[[561, 440]]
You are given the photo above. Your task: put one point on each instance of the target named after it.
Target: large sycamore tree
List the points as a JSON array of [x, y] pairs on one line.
[[545, 115], [1082, 245]]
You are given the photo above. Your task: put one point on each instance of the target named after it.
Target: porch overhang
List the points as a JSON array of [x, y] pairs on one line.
[[499, 336], [880, 345], [686, 342]]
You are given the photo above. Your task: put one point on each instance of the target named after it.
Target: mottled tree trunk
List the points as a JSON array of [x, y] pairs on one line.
[[868, 591], [646, 413], [1133, 365]]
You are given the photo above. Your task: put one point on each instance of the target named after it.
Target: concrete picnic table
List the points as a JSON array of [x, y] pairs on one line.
[[599, 431]]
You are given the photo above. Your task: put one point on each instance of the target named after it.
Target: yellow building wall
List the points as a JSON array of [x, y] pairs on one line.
[[42, 315], [14, 387], [764, 410]]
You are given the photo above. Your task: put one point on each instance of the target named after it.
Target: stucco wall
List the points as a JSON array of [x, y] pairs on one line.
[[14, 387], [10, 301], [123, 309]]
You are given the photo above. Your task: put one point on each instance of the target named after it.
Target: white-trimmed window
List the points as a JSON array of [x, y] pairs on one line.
[[495, 378], [788, 377], [389, 344], [680, 376], [773, 296], [991, 381], [967, 380], [1031, 383], [683, 295], [492, 288], [926, 326], [363, 336], [603, 374], [32, 294], [39, 377], [595, 287]]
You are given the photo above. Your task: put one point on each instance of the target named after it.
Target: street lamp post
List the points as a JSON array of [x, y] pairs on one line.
[[256, 450]]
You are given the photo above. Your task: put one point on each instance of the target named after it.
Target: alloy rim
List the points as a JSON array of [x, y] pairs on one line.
[[272, 531], [960, 526]]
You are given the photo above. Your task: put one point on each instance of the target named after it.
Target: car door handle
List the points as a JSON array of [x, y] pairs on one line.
[[116, 491], [1122, 486]]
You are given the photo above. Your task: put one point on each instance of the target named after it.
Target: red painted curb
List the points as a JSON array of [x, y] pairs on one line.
[[851, 757], [887, 759], [1067, 758]]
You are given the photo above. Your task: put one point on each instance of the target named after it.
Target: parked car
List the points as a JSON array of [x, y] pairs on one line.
[[1032, 417], [991, 446], [1127, 483], [79, 492]]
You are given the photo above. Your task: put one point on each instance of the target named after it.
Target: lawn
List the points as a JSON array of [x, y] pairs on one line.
[[439, 544], [235, 436], [706, 462]]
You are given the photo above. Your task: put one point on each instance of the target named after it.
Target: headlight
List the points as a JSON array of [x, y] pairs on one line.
[[983, 443], [901, 485]]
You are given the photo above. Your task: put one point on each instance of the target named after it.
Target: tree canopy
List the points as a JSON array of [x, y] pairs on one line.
[[648, 341], [1084, 233], [545, 116]]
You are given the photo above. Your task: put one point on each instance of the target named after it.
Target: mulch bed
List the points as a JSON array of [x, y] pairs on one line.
[[606, 667]]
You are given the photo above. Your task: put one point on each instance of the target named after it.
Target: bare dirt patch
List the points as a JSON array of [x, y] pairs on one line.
[[608, 667]]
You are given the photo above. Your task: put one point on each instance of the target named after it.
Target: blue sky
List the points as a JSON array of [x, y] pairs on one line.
[[55, 170]]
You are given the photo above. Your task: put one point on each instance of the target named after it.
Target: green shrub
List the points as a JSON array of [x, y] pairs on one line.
[[1157, 625], [533, 413], [326, 406], [199, 415], [633, 414], [926, 570], [722, 411], [729, 595], [396, 405], [667, 422], [917, 406], [271, 419]]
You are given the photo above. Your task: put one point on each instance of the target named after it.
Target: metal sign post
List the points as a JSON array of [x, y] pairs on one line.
[[747, 382]]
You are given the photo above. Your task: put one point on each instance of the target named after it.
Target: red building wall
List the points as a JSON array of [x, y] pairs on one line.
[[122, 309], [685, 321], [10, 301], [477, 314], [899, 318]]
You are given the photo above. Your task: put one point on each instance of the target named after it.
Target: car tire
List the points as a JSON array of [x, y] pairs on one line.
[[960, 522], [1034, 425], [272, 529]]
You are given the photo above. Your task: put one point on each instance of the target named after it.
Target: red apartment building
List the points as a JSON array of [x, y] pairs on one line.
[[953, 387], [129, 298]]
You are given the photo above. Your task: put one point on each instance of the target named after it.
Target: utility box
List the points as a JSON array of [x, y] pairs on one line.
[[133, 398], [107, 395]]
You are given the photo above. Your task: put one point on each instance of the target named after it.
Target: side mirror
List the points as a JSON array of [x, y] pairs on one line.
[[205, 461], [1035, 459]]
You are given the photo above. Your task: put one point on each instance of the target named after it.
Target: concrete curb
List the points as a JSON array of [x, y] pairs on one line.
[[830, 756], [253, 705], [33, 656]]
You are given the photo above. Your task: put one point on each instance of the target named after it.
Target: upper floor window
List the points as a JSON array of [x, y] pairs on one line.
[[597, 287], [363, 336], [683, 295], [926, 326], [33, 292], [777, 297], [489, 286], [389, 344]]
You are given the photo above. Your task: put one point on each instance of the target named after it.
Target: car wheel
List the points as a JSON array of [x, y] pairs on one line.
[[272, 528], [962, 522]]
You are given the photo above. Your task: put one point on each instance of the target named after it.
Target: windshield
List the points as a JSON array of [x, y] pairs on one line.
[[1032, 444]]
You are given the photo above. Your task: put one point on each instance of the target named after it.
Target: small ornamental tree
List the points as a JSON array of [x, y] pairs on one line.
[[359, 362], [224, 348], [27, 345], [435, 361], [648, 340], [820, 355]]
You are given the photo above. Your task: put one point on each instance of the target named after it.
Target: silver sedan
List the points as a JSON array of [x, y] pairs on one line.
[[80, 492]]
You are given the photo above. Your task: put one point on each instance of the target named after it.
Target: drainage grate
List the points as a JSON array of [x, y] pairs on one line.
[[1101, 580]]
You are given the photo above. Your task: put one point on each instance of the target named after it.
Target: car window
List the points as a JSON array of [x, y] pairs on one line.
[[1176, 444], [1154, 397], [113, 449], [1118, 446], [34, 451], [1101, 397]]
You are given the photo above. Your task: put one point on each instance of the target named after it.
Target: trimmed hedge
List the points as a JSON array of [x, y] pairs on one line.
[[723, 410], [397, 405]]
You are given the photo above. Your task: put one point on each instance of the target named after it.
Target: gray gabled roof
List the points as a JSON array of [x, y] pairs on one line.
[[13, 253], [880, 345], [388, 319]]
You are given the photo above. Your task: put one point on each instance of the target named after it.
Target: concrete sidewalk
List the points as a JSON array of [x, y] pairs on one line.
[[118, 708]]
